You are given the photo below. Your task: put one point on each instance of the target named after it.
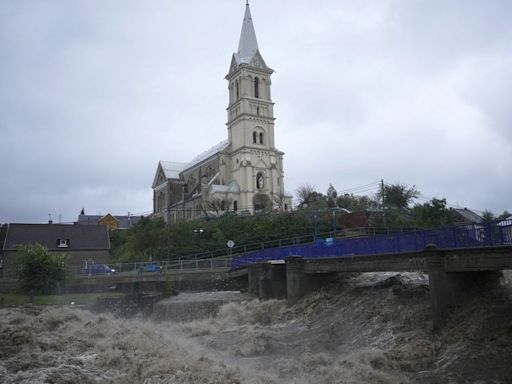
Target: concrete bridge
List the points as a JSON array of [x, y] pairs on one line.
[[452, 273], [184, 280]]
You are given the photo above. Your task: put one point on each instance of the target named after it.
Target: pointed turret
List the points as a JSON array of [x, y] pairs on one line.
[[248, 45]]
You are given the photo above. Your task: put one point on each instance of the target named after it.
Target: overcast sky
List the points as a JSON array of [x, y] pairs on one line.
[[94, 93]]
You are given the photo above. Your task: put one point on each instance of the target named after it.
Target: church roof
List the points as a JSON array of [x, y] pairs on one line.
[[207, 154], [248, 45], [172, 169]]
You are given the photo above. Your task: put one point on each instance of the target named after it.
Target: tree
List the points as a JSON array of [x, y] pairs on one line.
[[332, 195], [355, 203], [39, 271], [432, 214], [304, 193], [217, 205], [397, 195], [488, 216]]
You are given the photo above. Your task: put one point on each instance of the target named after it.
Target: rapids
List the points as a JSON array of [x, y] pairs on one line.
[[367, 328]]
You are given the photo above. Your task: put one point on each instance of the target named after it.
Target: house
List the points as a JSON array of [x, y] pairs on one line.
[[81, 243], [109, 220], [465, 216], [242, 174], [505, 227]]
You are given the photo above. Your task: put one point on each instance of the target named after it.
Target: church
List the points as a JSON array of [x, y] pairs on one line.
[[243, 174]]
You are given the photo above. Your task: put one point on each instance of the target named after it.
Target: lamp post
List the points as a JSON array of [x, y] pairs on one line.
[[334, 224], [315, 222]]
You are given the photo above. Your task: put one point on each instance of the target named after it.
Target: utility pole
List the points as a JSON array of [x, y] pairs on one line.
[[382, 202], [382, 192]]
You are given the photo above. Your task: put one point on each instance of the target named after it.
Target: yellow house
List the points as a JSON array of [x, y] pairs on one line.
[[110, 221]]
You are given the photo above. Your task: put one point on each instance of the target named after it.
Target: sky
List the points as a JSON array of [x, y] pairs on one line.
[[94, 93]]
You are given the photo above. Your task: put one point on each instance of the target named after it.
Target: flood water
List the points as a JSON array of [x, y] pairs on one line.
[[370, 328]]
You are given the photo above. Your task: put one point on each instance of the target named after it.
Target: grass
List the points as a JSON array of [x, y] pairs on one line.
[[11, 299]]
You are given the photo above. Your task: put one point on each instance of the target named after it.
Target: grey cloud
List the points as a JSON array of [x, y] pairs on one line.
[[95, 93]]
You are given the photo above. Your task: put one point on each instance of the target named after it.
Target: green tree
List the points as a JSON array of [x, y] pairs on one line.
[[397, 195], [355, 203], [332, 195], [39, 271], [488, 216], [432, 214]]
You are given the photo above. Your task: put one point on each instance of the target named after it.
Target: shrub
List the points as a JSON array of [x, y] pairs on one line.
[[39, 271]]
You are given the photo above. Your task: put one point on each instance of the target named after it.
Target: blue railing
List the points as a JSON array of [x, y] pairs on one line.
[[461, 236]]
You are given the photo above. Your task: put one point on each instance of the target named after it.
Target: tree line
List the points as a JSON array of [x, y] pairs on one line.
[[394, 205]]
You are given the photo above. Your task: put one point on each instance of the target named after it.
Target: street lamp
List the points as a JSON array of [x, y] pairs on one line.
[[334, 224], [315, 222]]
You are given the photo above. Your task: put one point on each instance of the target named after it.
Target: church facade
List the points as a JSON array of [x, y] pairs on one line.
[[243, 174]]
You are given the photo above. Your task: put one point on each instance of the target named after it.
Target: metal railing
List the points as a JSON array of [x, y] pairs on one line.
[[144, 268], [354, 241], [180, 265], [461, 236]]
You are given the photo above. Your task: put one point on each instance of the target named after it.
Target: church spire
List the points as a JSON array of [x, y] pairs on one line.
[[248, 44]]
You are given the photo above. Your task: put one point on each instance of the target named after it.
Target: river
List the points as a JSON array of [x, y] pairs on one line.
[[367, 328]]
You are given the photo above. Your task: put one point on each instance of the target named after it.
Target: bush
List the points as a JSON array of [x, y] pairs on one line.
[[39, 271]]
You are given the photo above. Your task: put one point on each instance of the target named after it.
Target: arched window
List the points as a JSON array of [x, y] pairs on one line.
[[235, 205], [222, 205], [237, 90], [258, 111], [256, 87], [255, 137], [261, 137]]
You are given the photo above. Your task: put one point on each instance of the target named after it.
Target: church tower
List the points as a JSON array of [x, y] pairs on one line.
[[256, 164], [243, 174]]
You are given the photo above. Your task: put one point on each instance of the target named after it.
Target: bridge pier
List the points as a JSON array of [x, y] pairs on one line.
[[449, 289], [298, 282], [267, 281]]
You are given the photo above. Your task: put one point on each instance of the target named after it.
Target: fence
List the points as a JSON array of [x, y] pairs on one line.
[[365, 241], [462, 236], [179, 265]]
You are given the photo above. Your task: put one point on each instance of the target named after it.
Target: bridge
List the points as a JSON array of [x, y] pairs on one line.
[[195, 275], [455, 258]]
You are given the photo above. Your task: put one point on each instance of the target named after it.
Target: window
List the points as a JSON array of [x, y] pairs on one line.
[[256, 87], [235, 205], [261, 137], [255, 137], [222, 205], [258, 111], [62, 243], [237, 90]]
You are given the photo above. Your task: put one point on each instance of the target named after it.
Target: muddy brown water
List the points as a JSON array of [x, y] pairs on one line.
[[370, 328]]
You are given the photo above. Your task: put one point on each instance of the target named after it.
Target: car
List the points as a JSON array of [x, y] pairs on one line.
[[153, 268], [99, 269]]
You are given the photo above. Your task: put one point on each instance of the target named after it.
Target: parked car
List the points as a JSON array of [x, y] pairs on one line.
[[99, 269], [153, 268]]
